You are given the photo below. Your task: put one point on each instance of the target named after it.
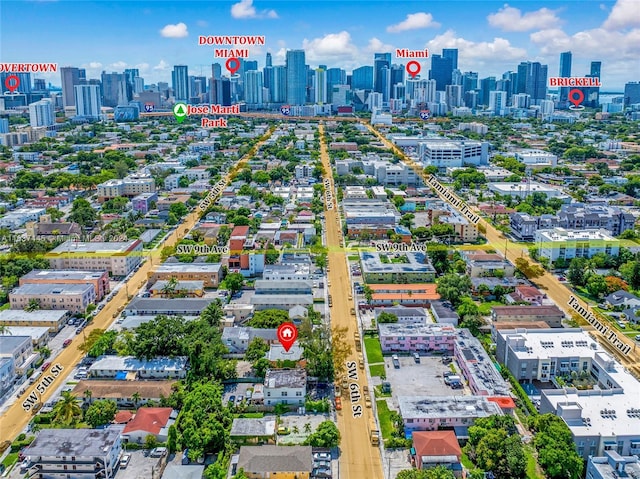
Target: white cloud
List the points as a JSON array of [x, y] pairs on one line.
[[245, 9], [94, 65], [470, 52], [333, 45], [624, 14], [179, 30], [510, 19], [162, 66], [615, 46], [202, 23], [377, 46], [143, 67], [414, 21], [118, 65]]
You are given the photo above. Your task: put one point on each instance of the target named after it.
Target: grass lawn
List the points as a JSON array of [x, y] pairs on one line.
[[466, 462], [10, 460], [532, 472], [377, 370], [253, 415], [485, 308], [374, 351], [5, 306], [384, 416], [353, 257]]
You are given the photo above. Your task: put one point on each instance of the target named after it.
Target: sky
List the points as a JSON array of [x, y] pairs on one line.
[[492, 37]]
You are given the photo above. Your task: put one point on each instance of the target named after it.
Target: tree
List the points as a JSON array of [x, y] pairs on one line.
[[178, 209], [631, 273], [268, 318], [615, 284], [385, 317], [320, 261], [577, 272], [597, 285], [150, 442], [439, 472], [136, 398], [234, 282], [100, 412], [368, 293], [257, 348], [467, 308], [172, 439], [473, 323], [82, 212], [260, 367], [162, 336], [32, 305], [453, 287], [55, 213], [531, 271], [327, 435], [67, 410]]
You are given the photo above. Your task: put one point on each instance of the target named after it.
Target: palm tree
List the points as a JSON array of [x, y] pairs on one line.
[[295, 429], [33, 305], [169, 288], [307, 428], [87, 395], [136, 398], [67, 410], [4, 330]]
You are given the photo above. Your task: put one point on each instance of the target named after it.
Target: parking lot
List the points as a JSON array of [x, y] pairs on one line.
[[423, 379], [139, 466]]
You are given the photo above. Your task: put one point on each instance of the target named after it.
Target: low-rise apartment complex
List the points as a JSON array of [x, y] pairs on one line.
[[118, 258]]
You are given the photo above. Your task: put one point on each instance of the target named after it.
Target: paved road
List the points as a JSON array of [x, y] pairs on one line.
[[358, 459], [15, 418], [555, 290]]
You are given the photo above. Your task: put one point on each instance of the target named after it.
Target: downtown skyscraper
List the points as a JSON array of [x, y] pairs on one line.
[[180, 83], [296, 77], [70, 76], [564, 72], [381, 78]]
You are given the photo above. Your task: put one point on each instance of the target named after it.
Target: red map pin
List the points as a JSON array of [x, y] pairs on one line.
[[233, 65], [287, 335], [413, 68], [12, 82]]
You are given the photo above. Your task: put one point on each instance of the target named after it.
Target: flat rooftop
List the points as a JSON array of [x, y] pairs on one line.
[[189, 268], [52, 288], [67, 274], [408, 329], [40, 315], [74, 442], [285, 378], [130, 363], [416, 262], [550, 343], [424, 407], [97, 247], [254, 427]]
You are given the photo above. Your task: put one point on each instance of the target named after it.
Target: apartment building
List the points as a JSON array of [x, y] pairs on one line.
[[125, 367], [209, 273], [560, 243], [408, 337], [431, 413], [285, 386], [99, 279], [78, 453], [132, 185], [118, 258], [398, 268], [142, 202], [446, 153], [70, 297]]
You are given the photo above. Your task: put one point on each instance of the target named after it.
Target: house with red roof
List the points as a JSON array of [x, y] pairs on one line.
[[150, 420], [436, 448]]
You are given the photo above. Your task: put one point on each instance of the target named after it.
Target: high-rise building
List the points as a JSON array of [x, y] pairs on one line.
[[279, 89], [564, 72], [532, 80], [253, 85], [385, 83], [454, 96], [130, 75], [24, 85], [362, 78], [441, 71], [631, 93], [180, 83], [487, 85], [267, 81], [250, 65], [592, 94], [88, 101], [452, 54], [39, 84], [497, 102], [469, 81], [296, 77], [115, 89], [138, 85], [216, 71], [41, 113], [4, 125], [320, 86], [380, 61], [335, 76], [268, 62]]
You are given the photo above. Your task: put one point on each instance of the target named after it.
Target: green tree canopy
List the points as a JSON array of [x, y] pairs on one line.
[[100, 412]]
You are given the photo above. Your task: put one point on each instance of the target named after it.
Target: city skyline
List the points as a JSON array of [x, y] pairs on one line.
[[492, 37]]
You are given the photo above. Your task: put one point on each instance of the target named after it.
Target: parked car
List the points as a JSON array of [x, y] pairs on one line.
[[66, 343], [45, 366], [416, 357], [158, 452], [638, 337], [124, 461]]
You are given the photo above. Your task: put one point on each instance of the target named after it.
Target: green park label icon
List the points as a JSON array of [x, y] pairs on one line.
[[180, 112]]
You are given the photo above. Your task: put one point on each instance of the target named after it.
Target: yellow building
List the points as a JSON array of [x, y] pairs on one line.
[[276, 462]]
